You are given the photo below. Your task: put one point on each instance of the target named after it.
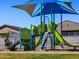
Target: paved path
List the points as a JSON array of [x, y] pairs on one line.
[[43, 52]]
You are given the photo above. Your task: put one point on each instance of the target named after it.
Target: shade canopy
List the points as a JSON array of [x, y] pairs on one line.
[[35, 9], [67, 2], [54, 8]]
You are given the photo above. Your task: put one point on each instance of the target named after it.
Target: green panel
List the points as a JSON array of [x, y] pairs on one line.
[[25, 33], [43, 28], [49, 26], [33, 30]]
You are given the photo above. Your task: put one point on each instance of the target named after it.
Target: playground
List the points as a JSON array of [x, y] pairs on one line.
[[48, 39], [44, 36], [45, 40]]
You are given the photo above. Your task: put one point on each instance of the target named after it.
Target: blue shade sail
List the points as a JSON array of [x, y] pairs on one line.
[[35, 9], [55, 8], [67, 2]]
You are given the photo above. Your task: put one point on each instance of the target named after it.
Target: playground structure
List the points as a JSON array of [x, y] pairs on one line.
[[45, 36]]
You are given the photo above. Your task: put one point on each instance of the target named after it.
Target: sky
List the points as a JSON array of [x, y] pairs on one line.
[[20, 18]]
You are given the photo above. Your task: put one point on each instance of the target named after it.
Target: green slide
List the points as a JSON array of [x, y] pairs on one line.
[[58, 36], [61, 39], [56, 33]]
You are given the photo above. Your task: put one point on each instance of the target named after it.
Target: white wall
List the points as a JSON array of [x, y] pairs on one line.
[[2, 43], [73, 40]]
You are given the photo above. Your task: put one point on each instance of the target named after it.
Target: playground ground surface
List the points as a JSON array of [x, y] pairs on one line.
[[39, 55]]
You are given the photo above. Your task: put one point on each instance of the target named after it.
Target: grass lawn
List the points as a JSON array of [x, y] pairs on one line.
[[37, 56]]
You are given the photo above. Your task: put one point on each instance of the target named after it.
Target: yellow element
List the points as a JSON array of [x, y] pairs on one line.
[[59, 37], [33, 29], [37, 41], [43, 28]]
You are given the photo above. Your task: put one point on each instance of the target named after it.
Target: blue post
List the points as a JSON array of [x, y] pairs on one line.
[[41, 28], [20, 38], [44, 13], [54, 29], [51, 31], [51, 21], [31, 37], [61, 23]]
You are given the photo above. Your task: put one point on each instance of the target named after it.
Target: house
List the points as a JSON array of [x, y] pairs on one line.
[[70, 32], [4, 30], [9, 28], [10, 36]]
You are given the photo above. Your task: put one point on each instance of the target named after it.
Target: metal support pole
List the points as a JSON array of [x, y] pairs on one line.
[[54, 29], [51, 31], [61, 23], [51, 22], [20, 38], [44, 14], [44, 18], [31, 37], [41, 28], [61, 26]]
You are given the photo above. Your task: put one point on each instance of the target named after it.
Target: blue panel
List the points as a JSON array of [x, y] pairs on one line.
[[63, 4], [55, 8]]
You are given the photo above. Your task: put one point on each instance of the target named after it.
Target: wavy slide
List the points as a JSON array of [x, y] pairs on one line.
[[57, 35], [61, 39]]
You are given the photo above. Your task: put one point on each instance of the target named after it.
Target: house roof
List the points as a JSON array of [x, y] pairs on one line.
[[10, 26], [69, 26]]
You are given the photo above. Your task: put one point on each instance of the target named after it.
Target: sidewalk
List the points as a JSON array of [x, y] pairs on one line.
[[42, 52]]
